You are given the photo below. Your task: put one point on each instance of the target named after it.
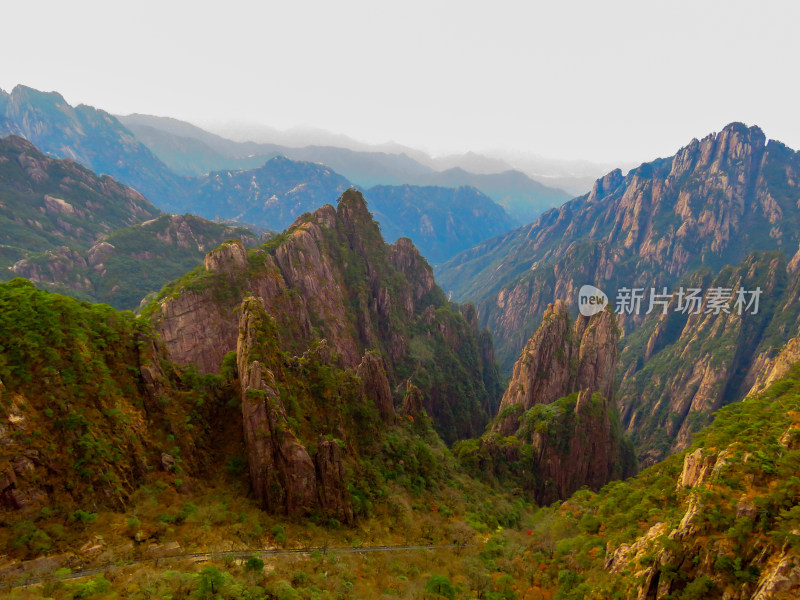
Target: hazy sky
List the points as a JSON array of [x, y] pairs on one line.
[[612, 80]]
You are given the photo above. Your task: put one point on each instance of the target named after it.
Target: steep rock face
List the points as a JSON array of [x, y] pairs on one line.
[[591, 456], [557, 429], [282, 473], [406, 258], [188, 323], [569, 367], [672, 222], [376, 385], [777, 367], [331, 489], [230, 257], [560, 359], [331, 276], [677, 369], [711, 204]]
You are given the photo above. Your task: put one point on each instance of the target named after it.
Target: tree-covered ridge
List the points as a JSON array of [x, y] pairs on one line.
[[717, 520], [47, 203], [120, 269], [81, 426]]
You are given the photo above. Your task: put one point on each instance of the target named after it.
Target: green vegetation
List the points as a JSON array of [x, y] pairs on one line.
[[71, 373]]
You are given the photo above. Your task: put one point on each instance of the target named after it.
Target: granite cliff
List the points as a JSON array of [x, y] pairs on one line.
[[557, 420], [710, 216], [331, 276]]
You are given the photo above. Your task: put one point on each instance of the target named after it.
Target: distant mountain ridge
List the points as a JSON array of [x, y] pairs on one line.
[[89, 136], [91, 237], [575, 176], [46, 203], [710, 205], [240, 175], [441, 220], [191, 150]]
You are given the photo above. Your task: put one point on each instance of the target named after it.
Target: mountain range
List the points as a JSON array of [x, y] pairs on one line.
[[256, 184], [571, 175], [311, 415], [189, 150], [699, 217]]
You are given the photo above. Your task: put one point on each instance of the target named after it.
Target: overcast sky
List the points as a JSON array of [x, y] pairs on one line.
[[607, 81]]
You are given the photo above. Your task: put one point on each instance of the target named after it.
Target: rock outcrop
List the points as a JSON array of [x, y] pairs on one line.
[[777, 367], [376, 384], [562, 358], [331, 276], [557, 420], [332, 492], [230, 258], [282, 473]]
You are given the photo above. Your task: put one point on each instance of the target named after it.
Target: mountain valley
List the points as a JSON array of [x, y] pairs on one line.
[[383, 390]]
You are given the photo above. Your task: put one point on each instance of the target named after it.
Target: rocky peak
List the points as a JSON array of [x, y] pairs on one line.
[[736, 146], [229, 257], [332, 276], [405, 257], [353, 212], [568, 367], [561, 358], [605, 185]]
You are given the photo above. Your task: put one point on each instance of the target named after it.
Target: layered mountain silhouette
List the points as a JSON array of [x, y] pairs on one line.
[[190, 150], [256, 183], [91, 137]]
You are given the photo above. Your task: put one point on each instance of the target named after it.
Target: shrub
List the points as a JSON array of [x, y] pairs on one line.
[[439, 584], [279, 533], [254, 565]]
